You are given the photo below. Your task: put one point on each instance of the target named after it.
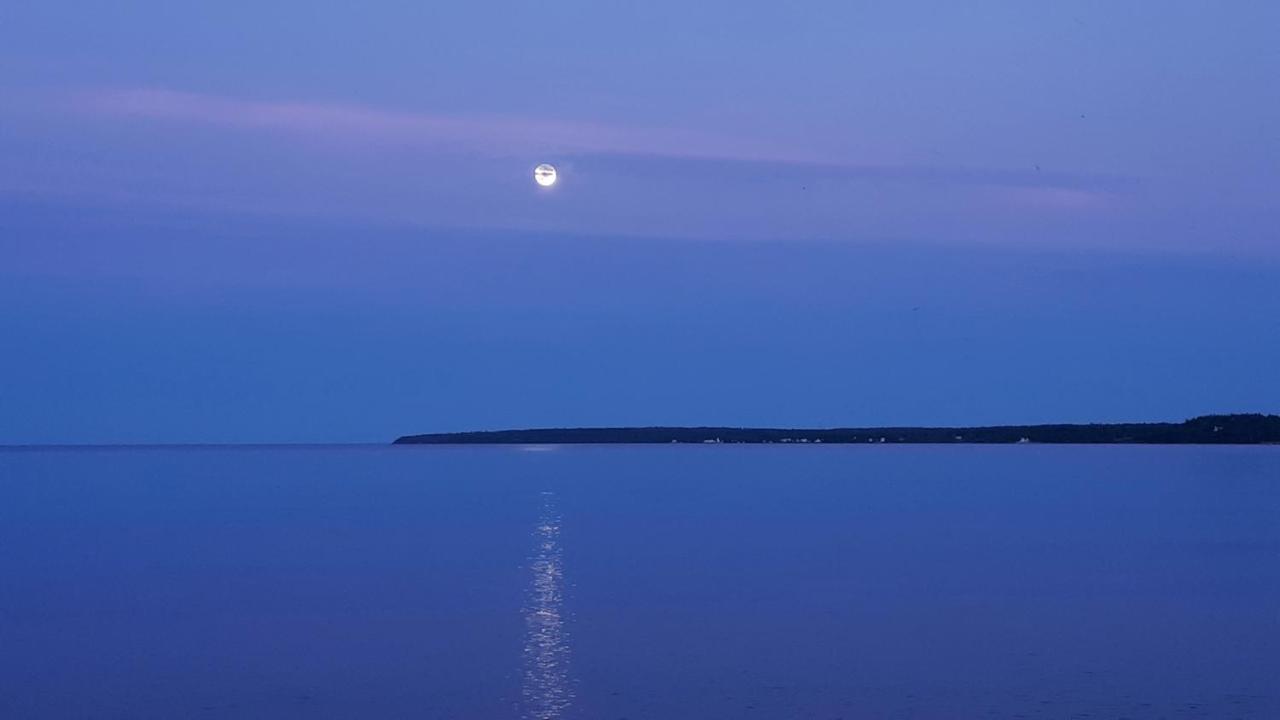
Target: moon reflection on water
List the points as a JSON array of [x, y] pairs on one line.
[[547, 689]]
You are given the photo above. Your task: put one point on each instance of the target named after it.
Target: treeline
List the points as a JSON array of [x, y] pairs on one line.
[[1207, 429]]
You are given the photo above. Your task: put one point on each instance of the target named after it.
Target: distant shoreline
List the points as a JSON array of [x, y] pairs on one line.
[[1237, 429]]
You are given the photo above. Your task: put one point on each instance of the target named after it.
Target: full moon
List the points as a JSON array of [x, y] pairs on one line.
[[545, 175]]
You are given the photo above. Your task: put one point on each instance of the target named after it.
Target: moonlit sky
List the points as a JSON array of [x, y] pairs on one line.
[[314, 221]]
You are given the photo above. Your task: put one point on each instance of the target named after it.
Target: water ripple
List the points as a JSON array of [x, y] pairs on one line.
[[548, 689]]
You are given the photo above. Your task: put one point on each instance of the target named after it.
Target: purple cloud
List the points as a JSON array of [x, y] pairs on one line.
[[644, 149], [489, 134], [141, 146]]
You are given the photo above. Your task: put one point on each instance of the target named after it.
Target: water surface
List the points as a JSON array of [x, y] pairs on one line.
[[640, 582]]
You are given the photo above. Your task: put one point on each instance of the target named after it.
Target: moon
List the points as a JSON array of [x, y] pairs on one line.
[[545, 175]]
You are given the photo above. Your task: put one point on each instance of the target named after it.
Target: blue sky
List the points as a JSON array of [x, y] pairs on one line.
[[316, 221]]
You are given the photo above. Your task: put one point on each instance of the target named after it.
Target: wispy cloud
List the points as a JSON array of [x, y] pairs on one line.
[[641, 150], [818, 171], [496, 134]]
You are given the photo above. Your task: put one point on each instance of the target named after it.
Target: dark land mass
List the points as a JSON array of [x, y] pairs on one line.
[[1208, 429]]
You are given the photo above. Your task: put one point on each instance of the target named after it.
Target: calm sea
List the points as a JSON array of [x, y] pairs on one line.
[[603, 583]]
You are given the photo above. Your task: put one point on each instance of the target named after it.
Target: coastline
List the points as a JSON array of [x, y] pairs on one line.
[[1237, 429]]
